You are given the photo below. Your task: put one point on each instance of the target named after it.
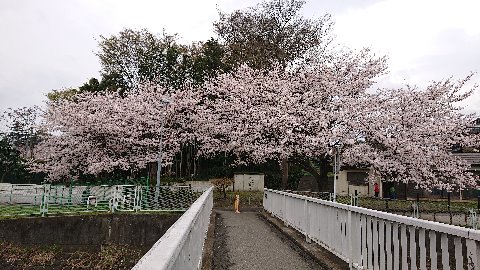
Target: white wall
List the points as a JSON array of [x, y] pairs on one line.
[[249, 182]]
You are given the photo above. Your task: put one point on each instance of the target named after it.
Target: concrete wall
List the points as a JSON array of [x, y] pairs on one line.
[[249, 182], [198, 185], [141, 230]]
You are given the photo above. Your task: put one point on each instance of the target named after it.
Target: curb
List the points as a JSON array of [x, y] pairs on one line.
[[207, 256], [323, 257]]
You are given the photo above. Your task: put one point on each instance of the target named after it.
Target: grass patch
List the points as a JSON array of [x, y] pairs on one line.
[[248, 199], [19, 211], [425, 206]]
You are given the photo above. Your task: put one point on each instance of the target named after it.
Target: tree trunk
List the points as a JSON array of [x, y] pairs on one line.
[[284, 169], [321, 175], [153, 173], [181, 161]]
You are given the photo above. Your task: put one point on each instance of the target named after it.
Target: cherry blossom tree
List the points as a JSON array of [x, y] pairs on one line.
[[94, 133], [259, 115], [406, 135]]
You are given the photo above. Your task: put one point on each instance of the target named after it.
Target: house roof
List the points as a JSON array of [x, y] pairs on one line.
[[471, 158]]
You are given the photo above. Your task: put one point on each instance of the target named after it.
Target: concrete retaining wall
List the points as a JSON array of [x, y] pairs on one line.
[[141, 230]]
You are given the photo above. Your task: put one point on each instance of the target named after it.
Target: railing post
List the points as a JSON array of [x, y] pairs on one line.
[[349, 238], [307, 223], [284, 214]]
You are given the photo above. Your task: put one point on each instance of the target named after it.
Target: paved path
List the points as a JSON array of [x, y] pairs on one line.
[[245, 241]]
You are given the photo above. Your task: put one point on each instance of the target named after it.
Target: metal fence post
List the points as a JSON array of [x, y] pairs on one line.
[[449, 207], [137, 198], [113, 200], [44, 204], [478, 203], [70, 190]]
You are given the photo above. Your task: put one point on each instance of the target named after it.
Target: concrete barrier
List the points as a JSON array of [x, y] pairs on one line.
[[181, 247]]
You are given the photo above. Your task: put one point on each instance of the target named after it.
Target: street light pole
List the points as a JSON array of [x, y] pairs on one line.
[[159, 161]]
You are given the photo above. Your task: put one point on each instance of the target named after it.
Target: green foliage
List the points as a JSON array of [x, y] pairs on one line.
[[11, 162], [248, 199], [17, 144], [22, 128], [133, 57], [270, 32], [107, 83], [66, 94], [208, 62], [94, 86]]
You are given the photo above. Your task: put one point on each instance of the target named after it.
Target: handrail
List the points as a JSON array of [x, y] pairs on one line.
[[371, 239], [420, 223], [182, 245]]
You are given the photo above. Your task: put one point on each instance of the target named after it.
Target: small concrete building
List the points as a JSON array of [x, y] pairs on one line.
[[354, 181], [248, 181]]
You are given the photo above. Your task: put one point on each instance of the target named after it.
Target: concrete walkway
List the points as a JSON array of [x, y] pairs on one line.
[[246, 241]]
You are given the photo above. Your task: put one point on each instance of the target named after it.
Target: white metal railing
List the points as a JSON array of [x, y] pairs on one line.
[[181, 247], [370, 239]]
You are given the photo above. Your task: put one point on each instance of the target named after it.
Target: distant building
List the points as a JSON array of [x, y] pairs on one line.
[[476, 126], [473, 159]]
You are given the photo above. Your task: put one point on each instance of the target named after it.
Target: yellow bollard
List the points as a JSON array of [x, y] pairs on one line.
[[236, 203]]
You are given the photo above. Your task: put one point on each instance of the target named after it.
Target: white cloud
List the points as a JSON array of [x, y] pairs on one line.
[[50, 44], [425, 40]]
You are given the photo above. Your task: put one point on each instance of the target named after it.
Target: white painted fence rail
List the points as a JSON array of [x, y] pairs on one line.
[[370, 239], [181, 247]]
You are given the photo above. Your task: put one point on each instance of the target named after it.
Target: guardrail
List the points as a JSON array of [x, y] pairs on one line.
[[27, 200], [460, 213], [370, 239], [181, 247]]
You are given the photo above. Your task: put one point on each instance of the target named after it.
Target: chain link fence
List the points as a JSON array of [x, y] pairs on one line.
[[43, 200]]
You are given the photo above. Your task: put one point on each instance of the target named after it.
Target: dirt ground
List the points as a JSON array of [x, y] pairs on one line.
[[14, 256]]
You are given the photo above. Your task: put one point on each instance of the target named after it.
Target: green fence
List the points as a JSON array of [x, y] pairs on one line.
[[43, 200]]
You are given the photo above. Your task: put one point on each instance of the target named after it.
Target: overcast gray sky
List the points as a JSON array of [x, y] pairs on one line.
[[50, 44]]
